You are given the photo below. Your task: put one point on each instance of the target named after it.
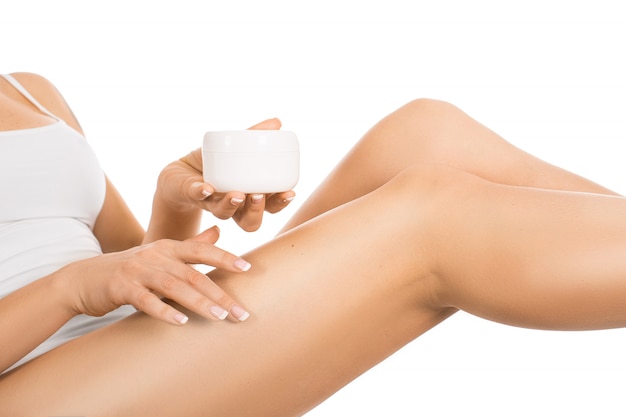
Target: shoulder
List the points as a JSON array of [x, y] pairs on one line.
[[48, 95]]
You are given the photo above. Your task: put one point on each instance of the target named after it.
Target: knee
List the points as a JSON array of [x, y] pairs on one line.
[[429, 107], [436, 185], [433, 194], [422, 126], [425, 196]]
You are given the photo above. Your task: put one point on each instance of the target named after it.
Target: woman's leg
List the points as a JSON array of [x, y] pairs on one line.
[[338, 294], [428, 131], [328, 300], [534, 258]]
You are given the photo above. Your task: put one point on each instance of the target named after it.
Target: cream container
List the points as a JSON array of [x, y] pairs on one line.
[[251, 161]]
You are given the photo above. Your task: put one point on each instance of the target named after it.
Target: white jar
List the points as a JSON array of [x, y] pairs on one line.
[[251, 161]]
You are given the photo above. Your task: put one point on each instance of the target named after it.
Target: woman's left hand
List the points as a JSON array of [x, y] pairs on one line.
[[181, 184]]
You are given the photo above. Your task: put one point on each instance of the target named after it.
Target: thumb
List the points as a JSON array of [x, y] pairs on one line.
[[269, 124], [199, 190]]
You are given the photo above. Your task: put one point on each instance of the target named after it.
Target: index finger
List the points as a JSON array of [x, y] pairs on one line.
[[194, 252]]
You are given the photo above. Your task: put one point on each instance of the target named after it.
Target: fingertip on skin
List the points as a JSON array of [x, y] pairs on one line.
[[180, 318], [242, 265], [239, 313], [218, 312]]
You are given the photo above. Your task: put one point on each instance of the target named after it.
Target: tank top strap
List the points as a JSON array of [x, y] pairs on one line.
[[23, 91]]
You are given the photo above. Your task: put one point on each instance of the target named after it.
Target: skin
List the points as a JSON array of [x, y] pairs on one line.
[[470, 222], [129, 273]]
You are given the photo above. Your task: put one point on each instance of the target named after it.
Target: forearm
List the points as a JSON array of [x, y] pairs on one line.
[[29, 316], [169, 222]]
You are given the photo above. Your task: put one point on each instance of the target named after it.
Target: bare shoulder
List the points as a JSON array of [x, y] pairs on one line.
[[48, 95]]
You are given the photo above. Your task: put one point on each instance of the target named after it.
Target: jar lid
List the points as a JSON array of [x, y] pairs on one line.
[[250, 141]]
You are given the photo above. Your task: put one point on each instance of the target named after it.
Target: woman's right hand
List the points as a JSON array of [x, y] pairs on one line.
[[141, 275]]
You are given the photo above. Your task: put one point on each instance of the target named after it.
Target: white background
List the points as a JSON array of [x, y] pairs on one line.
[[147, 79]]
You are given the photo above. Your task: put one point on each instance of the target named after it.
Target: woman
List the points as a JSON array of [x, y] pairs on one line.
[[429, 213]]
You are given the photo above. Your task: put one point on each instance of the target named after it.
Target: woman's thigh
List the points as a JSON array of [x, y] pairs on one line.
[[427, 131], [534, 258], [328, 300]]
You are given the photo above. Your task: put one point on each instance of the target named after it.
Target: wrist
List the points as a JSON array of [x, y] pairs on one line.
[[60, 290], [172, 220]]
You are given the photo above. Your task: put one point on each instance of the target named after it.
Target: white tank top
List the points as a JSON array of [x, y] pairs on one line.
[[51, 191]]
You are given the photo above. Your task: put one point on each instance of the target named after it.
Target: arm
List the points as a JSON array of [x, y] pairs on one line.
[[38, 307], [126, 274], [182, 197], [98, 285]]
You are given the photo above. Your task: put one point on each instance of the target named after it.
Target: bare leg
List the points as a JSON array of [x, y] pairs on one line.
[[340, 293], [433, 132], [328, 300], [534, 258]]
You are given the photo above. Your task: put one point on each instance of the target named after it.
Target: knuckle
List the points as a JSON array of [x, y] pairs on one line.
[[201, 304], [127, 267], [225, 258], [195, 278], [143, 299], [169, 283], [223, 299], [198, 249]]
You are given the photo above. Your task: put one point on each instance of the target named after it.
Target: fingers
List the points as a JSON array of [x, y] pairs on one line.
[[173, 277], [200, 250], [192, 290], [199, 191], [276, 202], [210, 235], [250, 216], [270, 124], [247, 210], [149, 303], [224, 206]]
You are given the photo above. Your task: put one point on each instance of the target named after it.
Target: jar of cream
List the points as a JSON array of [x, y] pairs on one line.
[[251, 161]]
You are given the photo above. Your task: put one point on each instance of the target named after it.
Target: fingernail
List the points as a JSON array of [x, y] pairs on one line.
[[239, 313], [288, 199], [206, 193], [236, 201], [218, 312], [241, 265], [257, 198], [181, 318]]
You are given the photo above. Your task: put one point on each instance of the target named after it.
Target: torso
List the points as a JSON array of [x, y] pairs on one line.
[[52, 188]]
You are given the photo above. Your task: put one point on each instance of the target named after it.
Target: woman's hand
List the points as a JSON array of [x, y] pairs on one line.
[[140, 276], [181, 184]]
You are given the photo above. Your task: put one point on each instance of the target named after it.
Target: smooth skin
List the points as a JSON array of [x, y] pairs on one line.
[[136, 268], [453, 218]]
